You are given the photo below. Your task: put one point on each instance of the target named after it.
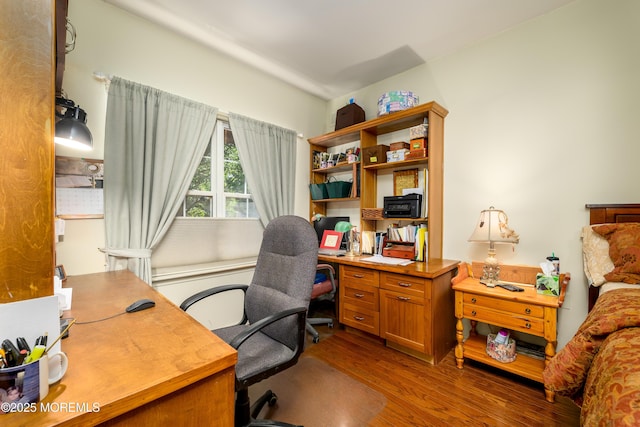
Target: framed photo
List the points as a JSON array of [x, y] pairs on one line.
[[404, 179], [59, 272], [331, 240]]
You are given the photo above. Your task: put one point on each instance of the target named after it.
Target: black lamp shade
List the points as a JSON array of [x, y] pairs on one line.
[[71, 130]]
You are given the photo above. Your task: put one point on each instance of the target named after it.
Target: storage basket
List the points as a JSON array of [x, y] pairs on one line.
[[374, 155], [372, 213], [399, 100], [339, 189], [319, 191], [501, 352]]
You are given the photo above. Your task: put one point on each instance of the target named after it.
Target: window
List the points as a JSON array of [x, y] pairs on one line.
[[219, 188]]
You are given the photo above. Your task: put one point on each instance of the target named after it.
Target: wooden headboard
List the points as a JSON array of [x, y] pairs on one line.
[[603, 214]]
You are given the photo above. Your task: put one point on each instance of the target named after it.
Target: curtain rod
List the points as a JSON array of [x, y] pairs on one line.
[[106, 79]]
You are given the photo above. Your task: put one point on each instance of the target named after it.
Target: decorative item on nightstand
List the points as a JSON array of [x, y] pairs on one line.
[[492, 228]]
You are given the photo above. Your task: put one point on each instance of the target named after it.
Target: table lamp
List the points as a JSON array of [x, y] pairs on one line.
[[492, 228]]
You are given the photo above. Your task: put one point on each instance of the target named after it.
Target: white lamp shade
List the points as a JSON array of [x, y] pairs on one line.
[[493, 226]]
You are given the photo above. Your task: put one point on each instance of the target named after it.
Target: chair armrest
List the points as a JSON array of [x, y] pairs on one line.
[[329, 268], [213, 291], [301, 312]]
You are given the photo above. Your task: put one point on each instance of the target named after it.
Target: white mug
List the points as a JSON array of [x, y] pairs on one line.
[[52, 369]]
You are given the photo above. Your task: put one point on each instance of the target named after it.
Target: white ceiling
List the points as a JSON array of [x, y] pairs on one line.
[[332, 47]]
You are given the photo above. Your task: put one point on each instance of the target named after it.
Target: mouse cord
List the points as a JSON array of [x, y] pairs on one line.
[[100, 320]]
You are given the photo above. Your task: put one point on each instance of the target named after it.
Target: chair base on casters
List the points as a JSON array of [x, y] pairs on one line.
[[246, 416], [317, 321]]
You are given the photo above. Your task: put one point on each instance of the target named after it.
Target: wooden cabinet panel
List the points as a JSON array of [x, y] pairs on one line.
[[360, 318], [403, 283], [26, 183], [363, 296], [531, 325], [402, 319], [363, 276], [525, 309]]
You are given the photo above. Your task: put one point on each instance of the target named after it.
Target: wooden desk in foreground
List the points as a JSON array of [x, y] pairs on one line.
[[154, 367]]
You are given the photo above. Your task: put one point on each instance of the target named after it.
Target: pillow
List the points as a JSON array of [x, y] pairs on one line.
[[624, 250], [595, 253]]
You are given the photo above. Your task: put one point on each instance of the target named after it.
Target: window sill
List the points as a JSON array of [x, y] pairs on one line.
[[183, 271]]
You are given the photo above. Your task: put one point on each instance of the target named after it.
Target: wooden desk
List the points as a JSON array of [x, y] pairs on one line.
[[407, 306], [154, 367]]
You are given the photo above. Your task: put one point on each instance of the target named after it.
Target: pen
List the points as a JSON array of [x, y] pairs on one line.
[[11, 353], [61, 335], [22, 344], [42, 340]]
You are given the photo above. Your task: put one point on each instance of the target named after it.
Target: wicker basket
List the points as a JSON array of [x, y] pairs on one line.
[[372, 213]]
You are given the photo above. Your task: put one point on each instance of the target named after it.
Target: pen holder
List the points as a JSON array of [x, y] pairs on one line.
[[29, 383]]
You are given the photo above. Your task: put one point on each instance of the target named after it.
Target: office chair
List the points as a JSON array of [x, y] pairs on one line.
[[271, 335], [324, 290]]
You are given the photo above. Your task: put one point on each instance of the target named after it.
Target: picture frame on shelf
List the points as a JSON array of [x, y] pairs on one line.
[[59, 272]]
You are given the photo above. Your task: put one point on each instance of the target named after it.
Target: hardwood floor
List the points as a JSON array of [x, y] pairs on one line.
[[420, 394]]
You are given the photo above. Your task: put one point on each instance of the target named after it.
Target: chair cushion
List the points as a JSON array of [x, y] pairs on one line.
[[321, 289], [256, 354]]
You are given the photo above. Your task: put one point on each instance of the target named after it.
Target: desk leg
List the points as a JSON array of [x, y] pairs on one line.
[[460, 346]]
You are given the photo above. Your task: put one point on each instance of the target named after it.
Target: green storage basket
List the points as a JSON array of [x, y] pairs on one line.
[[339, 189], [318, 191]]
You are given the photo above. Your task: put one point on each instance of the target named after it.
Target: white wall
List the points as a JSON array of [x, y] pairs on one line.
[[115, 42], [542, 120]]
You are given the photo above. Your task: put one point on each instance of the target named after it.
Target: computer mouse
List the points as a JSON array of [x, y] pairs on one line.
[[140, 305]]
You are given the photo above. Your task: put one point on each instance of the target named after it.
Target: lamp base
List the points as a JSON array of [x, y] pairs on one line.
[[490, 269], [490, 275]]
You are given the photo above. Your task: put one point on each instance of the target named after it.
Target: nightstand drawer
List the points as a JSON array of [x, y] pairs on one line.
[[364, 276], [402, 283], [518, 308], [522, 323], [356, 294]]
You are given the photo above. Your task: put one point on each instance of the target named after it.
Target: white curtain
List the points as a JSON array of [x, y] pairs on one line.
[[154, 142], [268, 158]]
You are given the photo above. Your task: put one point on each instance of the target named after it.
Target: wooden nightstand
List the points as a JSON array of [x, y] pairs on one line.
[[526, 312]]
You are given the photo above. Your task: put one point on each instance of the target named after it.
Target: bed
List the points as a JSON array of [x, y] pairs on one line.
[[599, 368]]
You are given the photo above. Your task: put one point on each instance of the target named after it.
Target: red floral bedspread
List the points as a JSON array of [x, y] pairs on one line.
[[600, 367]]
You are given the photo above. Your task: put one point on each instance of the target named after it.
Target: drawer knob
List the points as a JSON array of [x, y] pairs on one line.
[[404, 285], [473, 313], [358, 276], [358, 295], [358, 318], [527, 325], [527, 310], [473, 300], [404, 298]]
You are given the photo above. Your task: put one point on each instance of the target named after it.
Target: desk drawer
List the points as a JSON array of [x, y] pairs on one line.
[[516, 308], [359, 295], [363, 276], [362, 319], [519, 322], [402, 283]]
